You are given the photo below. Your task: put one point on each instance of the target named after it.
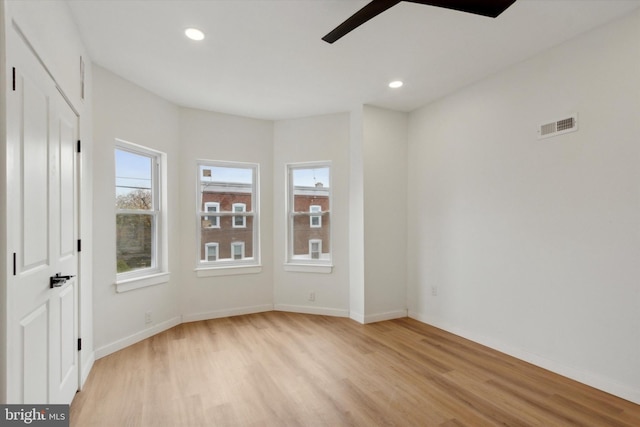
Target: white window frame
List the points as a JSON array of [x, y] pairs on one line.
[[223, 267], [208, 246], [243, 208], [306, 265], [213, 220], [315, 209], [157, 273]]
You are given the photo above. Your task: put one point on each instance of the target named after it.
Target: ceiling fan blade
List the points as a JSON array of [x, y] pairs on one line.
[[491, 8], [368, 12]]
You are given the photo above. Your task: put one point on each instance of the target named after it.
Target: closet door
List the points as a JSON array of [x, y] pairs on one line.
[[43, 228]]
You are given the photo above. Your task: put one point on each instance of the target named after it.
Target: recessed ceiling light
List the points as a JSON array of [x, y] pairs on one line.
[[194, 34], [395, 84]]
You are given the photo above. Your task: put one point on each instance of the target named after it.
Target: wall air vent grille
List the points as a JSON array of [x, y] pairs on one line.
[[558, 127]]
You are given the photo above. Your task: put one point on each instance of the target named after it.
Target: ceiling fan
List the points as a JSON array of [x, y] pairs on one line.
[[491, 8]]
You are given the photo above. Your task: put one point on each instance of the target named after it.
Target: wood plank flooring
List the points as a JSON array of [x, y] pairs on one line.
[[287, 369]]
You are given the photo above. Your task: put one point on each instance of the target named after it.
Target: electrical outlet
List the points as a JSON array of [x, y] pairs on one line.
[[434, 291], [312, 296], [147, 318]]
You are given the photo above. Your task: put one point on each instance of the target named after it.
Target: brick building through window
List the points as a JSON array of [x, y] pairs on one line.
[[233, 234], [311, 222]]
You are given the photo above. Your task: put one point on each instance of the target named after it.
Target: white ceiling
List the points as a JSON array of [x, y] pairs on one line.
[[266, 59]]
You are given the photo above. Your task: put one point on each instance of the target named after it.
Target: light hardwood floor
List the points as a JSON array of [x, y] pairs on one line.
[[286, 369]]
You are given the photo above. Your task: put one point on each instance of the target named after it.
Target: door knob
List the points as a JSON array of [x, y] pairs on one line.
[[58, 280]]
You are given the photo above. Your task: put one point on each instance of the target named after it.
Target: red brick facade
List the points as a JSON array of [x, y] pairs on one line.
[[221, 229], [303, 232], [225, 233]]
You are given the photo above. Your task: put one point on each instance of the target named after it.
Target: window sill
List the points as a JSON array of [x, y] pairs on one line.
[[228, 271], [309, 268], [142, 282]]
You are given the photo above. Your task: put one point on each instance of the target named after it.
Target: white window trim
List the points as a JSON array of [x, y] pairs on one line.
[[318, 210], [323, 265], [158, 272], [208, 205], [142, 282], [231, 270], [308, 268], [227, 267], [244, 218]]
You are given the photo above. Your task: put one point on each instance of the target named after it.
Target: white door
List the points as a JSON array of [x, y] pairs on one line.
[[42, 205]]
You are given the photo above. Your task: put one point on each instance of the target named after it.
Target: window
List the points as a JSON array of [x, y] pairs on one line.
[[237, 250], [227, 213], [212, 221], [140, 228], [309, 215], [239, 221], [211, 251], [315, 248], [315, 221]]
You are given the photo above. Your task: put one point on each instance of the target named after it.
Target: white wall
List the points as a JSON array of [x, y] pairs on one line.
[[214, 136], [534, 245], [51, 31], [125, 111], [385, 213], [3, 211], [356, 214], [307, 140]]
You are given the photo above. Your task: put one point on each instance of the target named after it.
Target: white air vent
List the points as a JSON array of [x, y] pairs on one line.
[[566, 125]]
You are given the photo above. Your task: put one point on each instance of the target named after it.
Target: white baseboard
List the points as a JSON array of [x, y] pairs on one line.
[[593, 380], [305, 309], [137, 337], [389, 315], [358, 317], [217, 314], [86, 368], [163, 326]]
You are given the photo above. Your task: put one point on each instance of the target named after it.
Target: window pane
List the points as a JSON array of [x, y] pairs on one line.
[[312, 177], [315, 249], [237, 250], [134, 241], [212, 252], [214, 221], [226, 174], [311, 213], [239, 221], [230, 188], [315, 220], [225, 235], [134, 174]]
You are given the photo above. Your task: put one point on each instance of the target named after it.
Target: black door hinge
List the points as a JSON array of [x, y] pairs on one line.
[[79, 344], [79, 245], [15, 264], [79, 147], [14, 78]]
